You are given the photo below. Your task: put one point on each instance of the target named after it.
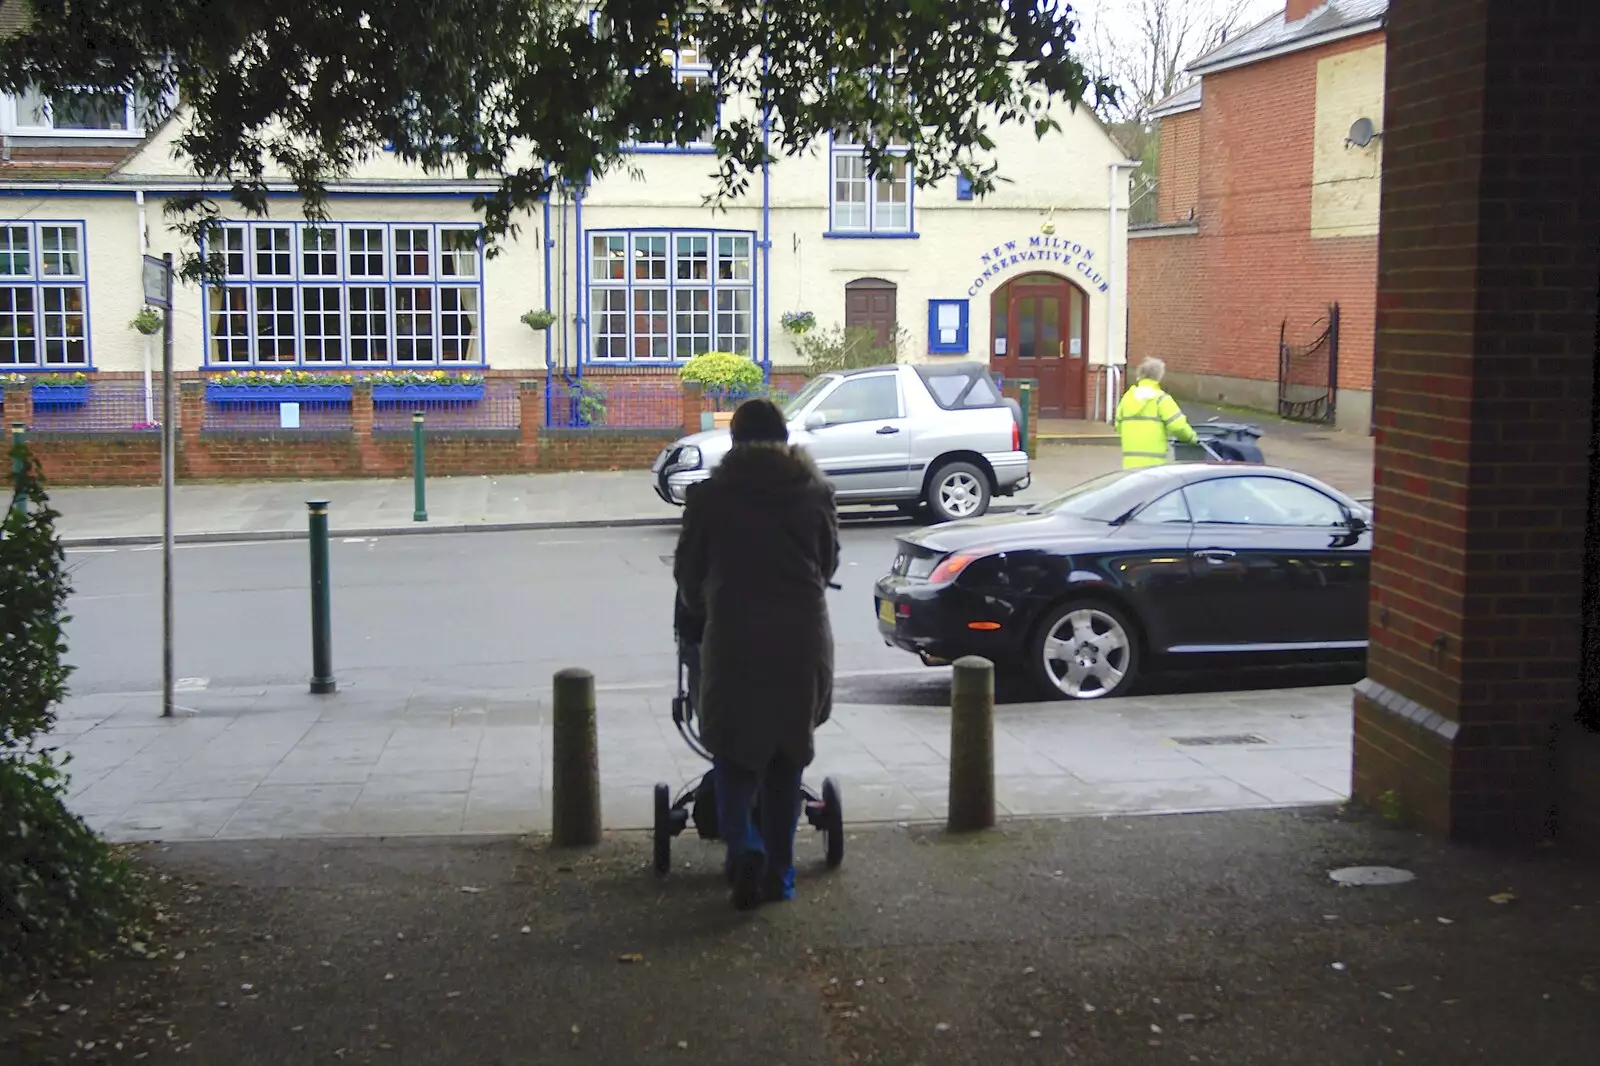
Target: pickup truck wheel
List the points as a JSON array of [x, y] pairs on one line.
[[956, 491]]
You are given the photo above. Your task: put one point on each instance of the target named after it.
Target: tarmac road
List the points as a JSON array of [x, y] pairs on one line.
[[485, 610]]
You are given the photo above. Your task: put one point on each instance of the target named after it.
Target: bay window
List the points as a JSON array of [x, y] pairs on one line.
[[44, 296], [664, 296], [359, 294]]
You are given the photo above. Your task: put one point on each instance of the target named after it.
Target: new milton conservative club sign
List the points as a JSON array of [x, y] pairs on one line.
[[1075, 258]]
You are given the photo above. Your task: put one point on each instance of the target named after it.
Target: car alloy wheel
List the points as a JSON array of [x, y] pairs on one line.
[[958, 491], [1085, 651]]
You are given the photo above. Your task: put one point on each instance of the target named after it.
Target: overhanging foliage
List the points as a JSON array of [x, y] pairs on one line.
[[532, 93]]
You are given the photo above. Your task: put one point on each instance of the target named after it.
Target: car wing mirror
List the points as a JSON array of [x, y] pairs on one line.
[[816, 420], [1356, 523]]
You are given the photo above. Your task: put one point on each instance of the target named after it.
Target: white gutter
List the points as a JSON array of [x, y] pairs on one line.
[[144, 249], [1111, 290], [160, 188], [1288, 47]]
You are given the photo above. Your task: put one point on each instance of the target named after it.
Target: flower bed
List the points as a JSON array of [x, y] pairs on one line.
[[432, 393]]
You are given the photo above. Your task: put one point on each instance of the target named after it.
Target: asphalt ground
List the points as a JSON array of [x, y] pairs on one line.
[[1214, 939]]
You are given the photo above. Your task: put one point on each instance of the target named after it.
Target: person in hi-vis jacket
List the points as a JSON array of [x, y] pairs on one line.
[[1147, 417]]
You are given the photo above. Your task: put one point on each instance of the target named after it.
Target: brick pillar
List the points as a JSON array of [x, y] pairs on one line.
[[694, 404], [531, 399], [191, 458], [18, 407], [367, 458], [1485, 377]]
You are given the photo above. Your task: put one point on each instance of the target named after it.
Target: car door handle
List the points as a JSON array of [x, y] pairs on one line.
[[1214, 555], [884, 431]]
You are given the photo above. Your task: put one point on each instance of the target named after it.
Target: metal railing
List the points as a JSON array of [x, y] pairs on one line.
[[97, 407], [591, 404], [273, 416]]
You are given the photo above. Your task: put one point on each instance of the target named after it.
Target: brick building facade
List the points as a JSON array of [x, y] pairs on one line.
[[1266, 214], [1480, 714]]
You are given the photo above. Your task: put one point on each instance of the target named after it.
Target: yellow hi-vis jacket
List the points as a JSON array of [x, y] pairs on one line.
[[1146, 417]]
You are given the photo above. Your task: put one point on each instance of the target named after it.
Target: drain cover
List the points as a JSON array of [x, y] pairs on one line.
[[1220, 739], [1361, 876]]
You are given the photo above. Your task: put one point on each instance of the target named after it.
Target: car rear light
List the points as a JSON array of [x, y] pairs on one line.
[[951, 566], [1016, 436]]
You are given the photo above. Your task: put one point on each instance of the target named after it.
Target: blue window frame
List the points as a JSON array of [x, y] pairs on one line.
[[358, 294], [44, 296], [665, 296], [947, 327], [863, 206]]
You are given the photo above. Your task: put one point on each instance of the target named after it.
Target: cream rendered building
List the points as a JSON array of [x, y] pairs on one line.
[[640, 273]]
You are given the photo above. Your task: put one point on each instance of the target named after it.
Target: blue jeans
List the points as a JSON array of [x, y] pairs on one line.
[[779, 788]]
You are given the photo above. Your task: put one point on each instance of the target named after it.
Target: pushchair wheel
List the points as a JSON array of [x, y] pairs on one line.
[[663, 828], [832, 824]]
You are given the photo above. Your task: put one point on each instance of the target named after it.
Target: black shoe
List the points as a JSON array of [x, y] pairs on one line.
[[747, 874]]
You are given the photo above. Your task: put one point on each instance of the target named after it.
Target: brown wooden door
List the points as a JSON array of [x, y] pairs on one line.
[[870, 304], [1042, 333]]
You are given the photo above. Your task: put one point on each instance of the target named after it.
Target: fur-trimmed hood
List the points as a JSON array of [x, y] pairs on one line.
[[774, 468]]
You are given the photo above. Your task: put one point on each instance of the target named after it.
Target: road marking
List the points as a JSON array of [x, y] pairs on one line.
[[218, 544], [90, 551], [843, 675], [191, 684]]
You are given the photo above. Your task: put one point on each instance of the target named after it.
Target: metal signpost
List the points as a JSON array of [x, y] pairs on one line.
[[158, 293]]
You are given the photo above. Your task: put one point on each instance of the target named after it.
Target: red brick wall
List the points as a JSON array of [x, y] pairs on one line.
[[1166, 307], [1178, 191], [1261, 264], [1254, 264], [1485, 382]]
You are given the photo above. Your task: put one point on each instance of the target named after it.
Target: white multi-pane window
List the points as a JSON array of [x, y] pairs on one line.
[[863, 204], [44, 295], [87, 111], [363, 294], [664, 295]]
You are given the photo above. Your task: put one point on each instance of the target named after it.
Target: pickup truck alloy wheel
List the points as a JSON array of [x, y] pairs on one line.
[[959, 490], [1085, 651]]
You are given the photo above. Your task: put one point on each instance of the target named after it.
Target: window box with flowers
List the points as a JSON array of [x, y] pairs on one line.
[[284, 386], [59, 390], [424, 386]]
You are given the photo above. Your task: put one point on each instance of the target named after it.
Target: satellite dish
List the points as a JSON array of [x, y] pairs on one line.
[[1361, 133]]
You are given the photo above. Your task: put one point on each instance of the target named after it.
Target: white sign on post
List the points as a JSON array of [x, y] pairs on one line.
[[155, 281]]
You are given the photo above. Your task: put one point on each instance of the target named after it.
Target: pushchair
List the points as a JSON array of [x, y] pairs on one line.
[[698, 801]]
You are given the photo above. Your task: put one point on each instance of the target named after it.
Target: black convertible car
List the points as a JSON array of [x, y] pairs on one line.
[[1185, 564]]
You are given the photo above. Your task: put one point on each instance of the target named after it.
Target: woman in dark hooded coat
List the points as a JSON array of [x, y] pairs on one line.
[[758, 548]]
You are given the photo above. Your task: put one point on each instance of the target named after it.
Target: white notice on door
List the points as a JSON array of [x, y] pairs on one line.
[[1076, 347], [999, 346], [949, 318], [289, 415]]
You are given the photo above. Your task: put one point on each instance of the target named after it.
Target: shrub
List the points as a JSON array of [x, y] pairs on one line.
[[62, 891], [722, 371], [838, 348]]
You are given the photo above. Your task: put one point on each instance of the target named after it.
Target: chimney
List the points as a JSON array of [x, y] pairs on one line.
[[1295, 10]]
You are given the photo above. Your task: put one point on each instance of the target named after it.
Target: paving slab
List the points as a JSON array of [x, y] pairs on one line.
[[278, 762]]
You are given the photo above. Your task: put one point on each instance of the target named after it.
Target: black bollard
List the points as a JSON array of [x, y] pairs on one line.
[[419, 466], [575, 776], [322, 681], [971, 745]]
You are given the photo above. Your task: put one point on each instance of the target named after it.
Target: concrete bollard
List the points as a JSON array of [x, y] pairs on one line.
[[575, 776], [971, 745]]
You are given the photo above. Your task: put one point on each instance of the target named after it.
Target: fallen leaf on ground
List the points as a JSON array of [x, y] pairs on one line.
[[1503, 897], [471, 890], [633, 957]]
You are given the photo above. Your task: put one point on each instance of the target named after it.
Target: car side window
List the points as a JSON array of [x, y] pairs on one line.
[[947, 388], [865, 399], [1261, 501], [1169, 508], [982, 395]]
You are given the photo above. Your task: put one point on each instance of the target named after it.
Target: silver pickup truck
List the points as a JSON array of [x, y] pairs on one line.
[[939, 436]]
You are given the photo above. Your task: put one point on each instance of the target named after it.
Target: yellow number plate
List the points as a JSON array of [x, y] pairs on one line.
[[886, 612]]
